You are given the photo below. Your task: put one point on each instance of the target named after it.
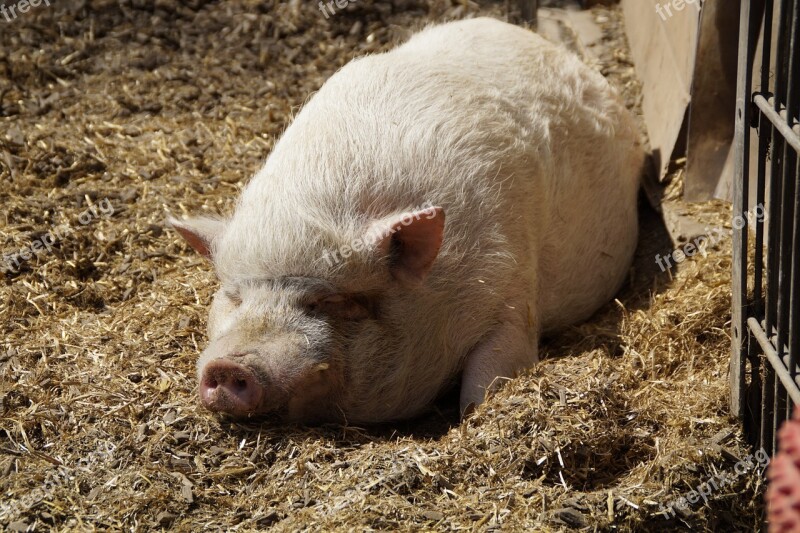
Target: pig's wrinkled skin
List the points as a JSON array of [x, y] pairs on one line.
[[527, 167]]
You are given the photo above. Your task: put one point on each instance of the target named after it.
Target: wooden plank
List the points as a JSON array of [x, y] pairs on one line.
[[713, 99], [663, 47]]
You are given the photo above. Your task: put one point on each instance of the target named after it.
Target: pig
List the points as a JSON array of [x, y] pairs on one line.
[[428, 215]]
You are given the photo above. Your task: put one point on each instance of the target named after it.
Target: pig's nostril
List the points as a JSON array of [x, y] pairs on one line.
[[240, 384]]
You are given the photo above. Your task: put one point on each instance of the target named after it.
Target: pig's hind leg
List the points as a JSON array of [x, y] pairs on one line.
[[507, 350]]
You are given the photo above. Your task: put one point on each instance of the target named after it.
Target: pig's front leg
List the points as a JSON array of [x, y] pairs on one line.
[[510, 348]]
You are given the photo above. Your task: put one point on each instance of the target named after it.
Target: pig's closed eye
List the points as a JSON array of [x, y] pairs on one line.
[[339, 306], [233, 296]]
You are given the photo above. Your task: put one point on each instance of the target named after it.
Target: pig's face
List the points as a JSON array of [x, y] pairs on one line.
[[278, 346], [286, 345]]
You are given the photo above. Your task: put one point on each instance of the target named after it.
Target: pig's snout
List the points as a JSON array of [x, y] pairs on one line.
[[229, 387]]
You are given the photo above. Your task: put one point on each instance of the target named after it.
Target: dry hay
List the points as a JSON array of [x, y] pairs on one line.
[[99, 426]]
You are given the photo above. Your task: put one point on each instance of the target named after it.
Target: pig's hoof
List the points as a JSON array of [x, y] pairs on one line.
[[229, 387]]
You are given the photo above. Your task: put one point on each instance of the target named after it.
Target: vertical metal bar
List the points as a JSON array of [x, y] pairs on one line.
[[763, 151], [789, 248], [767, 431], [794, 319], [741, 179], [779, 99], [793, 164], [776, 157], [767, 401], [764, 135]]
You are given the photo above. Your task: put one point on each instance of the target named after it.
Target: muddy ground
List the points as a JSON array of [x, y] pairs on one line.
[[113, 113]]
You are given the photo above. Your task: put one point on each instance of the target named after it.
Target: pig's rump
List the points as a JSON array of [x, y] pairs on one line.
[[578, 152]]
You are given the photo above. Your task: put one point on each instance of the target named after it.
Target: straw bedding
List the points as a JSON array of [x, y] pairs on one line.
[[112, 113]]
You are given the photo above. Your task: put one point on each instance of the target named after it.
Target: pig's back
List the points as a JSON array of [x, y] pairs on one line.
[[513, 136]]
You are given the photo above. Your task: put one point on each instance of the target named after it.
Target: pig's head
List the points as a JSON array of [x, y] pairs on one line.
[[299, 331]]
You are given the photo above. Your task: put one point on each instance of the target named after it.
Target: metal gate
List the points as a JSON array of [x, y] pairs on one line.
[[765, 364]]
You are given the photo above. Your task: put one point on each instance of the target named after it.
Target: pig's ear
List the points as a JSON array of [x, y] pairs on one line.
[[199, 232], [412, 241]]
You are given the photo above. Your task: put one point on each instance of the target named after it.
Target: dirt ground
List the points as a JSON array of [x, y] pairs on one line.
[[113, 113]]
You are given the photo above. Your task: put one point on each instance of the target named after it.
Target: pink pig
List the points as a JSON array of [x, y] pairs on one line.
[[426, 217]]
